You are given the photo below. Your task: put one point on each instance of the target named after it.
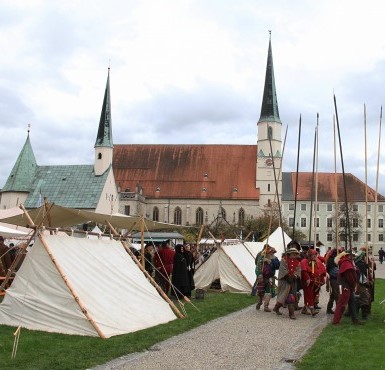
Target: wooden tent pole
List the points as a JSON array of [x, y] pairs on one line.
[[21, 252], [141, 240], [200, 236], [71, 288], [149, 277]]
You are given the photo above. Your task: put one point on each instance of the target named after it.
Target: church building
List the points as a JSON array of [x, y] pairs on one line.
[[192, 184]]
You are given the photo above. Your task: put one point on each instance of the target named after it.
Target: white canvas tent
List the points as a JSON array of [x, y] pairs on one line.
[[94, 289], [277, 241], [232, 264], [8, 232]]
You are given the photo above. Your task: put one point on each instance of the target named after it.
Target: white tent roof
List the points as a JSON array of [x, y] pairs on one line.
[[232, 264], [277, 241], [9, 232], [109, 285], [67, 217]]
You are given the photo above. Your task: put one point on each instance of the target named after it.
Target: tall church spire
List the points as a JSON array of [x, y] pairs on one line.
[[23, 172], [104, 137], [269, 110], [103, 145]]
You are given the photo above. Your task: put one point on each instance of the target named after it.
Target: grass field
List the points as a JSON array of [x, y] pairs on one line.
[[40, 350], [347, 346]]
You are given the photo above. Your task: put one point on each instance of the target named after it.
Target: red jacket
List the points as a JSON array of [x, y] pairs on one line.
[[316, 276], [164, 260]]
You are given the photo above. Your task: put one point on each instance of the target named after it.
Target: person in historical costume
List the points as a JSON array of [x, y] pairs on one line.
[[381, 255], [5, 258], [266, 265], [363, 300], [163, 262], [180, 279], [313, 276], [347, 277], [190, 260], [288, 274], [332, 285], [149, 251]]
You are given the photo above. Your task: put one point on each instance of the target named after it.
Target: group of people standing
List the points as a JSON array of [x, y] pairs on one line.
[[348, 277], [173, 268]]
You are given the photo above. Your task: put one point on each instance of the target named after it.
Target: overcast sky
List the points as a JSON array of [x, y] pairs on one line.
[[190, 72]]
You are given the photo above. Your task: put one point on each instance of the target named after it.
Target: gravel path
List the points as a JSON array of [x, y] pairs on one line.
[[247, 339]]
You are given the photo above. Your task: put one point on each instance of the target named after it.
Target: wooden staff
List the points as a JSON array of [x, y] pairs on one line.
[[366, 189], [149, 277], [276, 195], [336, 185], [316, 185], [296, 175], [378, 171], [312, 186], [200, 236], [71, 288], [347, 223], [142, 240]]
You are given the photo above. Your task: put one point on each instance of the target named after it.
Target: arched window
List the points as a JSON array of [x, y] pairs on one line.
[[178, 216], [241, 217], [199, 216], [99, 155], [155, 214], [270, 133], [223, 213]]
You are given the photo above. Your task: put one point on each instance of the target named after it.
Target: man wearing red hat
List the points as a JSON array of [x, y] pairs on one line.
[[347, 276], [313, 274], [288, 274]]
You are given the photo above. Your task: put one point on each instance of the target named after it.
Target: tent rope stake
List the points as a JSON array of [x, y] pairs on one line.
[[72, 290]]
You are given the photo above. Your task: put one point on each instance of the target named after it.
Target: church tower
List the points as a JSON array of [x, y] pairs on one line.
[[269, 140], [103, 145]]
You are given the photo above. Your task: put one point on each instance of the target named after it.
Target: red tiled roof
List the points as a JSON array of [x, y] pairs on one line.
[[326, 187], [184, 171]]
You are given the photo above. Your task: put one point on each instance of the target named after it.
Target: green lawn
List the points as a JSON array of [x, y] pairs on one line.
[[40, 350], [346, 346]]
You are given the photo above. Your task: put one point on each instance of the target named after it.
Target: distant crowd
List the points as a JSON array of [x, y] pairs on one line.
[[348, 276]]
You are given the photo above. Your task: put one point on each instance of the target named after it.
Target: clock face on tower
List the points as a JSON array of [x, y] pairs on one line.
[[269, 162]]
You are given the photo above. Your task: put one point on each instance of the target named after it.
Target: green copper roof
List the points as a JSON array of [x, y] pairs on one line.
[[269, 110], [23, 171], [104, 137], [73, 186]]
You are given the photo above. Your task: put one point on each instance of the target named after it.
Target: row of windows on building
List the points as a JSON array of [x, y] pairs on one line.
[[330, 207], [355, 237], [331, 221], [200, 216]]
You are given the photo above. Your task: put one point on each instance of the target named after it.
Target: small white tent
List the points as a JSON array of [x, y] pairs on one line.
[[232, 264], [93, 288], [278, 241]]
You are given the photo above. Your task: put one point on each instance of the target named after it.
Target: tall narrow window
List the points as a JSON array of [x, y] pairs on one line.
[[223, 212], [270, 133], [199, 216], [178, 216], [155, 214], [241, 217]]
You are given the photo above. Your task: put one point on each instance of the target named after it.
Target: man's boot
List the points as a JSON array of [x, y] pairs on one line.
[[329, 309], [305, 311], [267, 301], [260, 301], [313, 311], [291, 311], [277, 307], [365, 312]]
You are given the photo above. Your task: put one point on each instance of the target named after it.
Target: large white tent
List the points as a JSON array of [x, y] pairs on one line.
[[232, 264], [81, 286], [279, 240]]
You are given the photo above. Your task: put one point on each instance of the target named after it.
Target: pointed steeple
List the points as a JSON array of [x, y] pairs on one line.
[[23, 172], [269, 110], [104, 137]]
